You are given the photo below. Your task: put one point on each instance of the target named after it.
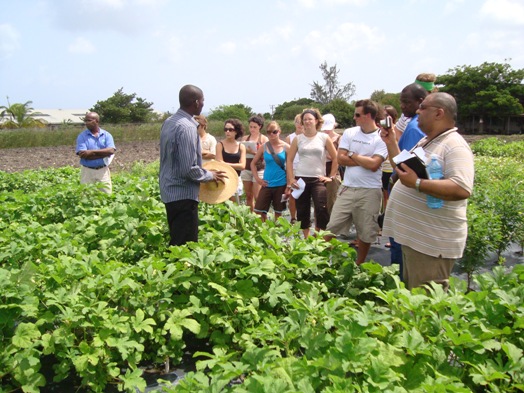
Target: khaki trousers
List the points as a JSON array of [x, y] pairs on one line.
[[102, 175], [420, 269]]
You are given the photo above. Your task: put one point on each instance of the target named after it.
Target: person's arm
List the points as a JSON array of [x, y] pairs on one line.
[[219, 156], [290, 174], [372, 163], [389, 138], [186, 153], [253, 167], [330, 147], [242, 163], [96, 154], [445, 189]]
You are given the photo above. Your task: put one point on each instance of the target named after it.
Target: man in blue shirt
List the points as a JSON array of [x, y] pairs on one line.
[[181, 169], [410, 98], [95, 147]]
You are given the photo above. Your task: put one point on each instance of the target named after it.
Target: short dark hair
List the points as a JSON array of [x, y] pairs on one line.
[[368, 106], [239, 127], [258, 119], [416, 91], [391, 111], [188, 95]]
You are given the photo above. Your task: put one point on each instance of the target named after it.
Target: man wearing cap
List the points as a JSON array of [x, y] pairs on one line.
[[332, 187], [181, 169], [95, 146], [361, 151]]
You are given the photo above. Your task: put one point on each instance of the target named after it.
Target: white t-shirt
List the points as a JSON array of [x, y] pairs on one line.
[[363, 144], [209, 142], [297, 157], [312, 151]]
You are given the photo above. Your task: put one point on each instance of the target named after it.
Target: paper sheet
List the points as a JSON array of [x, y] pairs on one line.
[[298, 191]]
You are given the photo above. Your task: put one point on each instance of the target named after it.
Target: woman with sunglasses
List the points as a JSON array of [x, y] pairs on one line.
[[312, 146], [232, 152], [273, 185]]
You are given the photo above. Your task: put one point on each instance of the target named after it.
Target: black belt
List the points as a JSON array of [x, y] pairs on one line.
[[96, 167]]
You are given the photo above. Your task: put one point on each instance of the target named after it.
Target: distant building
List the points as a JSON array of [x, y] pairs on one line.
[[57, 117]]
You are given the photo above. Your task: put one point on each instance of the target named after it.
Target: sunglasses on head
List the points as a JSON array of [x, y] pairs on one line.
[[228, 129]]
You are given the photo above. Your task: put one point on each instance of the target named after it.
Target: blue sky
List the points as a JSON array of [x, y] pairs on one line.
[[72, 53]]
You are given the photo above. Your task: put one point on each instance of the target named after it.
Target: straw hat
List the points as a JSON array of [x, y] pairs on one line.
[[212, 193]]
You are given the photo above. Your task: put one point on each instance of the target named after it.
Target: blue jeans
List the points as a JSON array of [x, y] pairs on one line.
[[396, 255]]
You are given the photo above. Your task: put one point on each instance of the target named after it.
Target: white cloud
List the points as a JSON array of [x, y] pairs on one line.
[[506, 11], [9, 40], [227, 48], [343, 41], [81, 46]]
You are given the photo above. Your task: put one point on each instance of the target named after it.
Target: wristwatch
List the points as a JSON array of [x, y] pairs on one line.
[[350, 154]]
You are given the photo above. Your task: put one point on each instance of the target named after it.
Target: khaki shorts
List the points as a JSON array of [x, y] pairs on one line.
[[420, 269], [247, 175], [359, 206]]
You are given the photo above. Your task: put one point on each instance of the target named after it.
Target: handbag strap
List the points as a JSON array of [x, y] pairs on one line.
[[275, 157]]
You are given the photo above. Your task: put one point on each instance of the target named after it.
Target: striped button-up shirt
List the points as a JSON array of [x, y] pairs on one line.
[[181, 159]]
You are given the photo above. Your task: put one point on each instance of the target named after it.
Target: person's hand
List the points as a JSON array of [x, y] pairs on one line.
[[219, 176], [387, 135], [406, 175], [84, 154], [325, 179], [261, 182]]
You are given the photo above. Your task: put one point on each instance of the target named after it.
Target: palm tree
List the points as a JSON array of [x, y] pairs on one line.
[[20, 116]]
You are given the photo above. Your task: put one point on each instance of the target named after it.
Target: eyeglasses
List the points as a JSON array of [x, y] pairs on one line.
[[422, 106], [226, 129], [274, 132]]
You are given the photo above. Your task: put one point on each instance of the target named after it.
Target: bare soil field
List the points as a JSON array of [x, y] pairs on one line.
[[21, 159]]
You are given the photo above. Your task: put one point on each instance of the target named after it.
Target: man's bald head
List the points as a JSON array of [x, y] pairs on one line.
[[446, 102]]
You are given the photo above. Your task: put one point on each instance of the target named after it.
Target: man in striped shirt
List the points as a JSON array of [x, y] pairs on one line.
[[432, 240], [181, 169]]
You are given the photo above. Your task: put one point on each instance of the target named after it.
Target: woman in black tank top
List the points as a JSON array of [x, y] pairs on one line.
[[231, 151]]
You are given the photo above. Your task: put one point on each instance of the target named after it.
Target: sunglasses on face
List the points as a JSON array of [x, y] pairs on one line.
[[357, 115], [273, 132], [227, 129]]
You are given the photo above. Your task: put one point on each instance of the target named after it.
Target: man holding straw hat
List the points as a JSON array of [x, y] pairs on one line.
[[181, 169]]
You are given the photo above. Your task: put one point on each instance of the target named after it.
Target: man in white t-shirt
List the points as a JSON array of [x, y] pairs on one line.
[[362, 151]]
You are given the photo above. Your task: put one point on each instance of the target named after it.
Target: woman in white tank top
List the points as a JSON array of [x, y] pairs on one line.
[[312, 147]]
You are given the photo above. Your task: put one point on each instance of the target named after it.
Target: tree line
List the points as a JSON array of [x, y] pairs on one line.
[[490, 97]]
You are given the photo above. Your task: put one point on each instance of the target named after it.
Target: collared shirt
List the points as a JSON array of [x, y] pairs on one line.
[[437, 232], [181, 169], [86, 141]]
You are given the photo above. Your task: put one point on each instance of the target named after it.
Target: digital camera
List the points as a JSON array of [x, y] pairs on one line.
[[386, 123]]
